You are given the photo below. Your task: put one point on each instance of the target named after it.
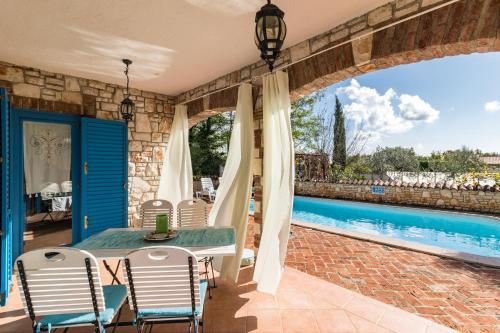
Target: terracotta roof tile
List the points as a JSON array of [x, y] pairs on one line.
[[439, 185]]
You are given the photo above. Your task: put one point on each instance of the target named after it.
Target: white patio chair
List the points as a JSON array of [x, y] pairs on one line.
[[49, 190], [207, 189], [194, 214], [151, 208], [164, 287], [67, 186], [61, 288]]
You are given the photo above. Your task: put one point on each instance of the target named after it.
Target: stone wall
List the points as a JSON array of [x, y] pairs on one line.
[[148, 133], [464, 200]]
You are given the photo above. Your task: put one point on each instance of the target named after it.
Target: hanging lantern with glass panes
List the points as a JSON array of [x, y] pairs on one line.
[[127, 106], [270, 32]]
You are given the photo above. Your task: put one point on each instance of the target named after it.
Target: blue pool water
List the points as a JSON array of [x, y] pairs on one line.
[[459, 232]]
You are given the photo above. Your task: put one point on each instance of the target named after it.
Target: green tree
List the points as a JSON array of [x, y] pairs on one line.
[[457, 162], [304, 122], [208, 143], [339, 157], [394, 159]]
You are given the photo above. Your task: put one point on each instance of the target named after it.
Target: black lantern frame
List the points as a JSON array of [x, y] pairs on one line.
[[127, 106], [270, 32]]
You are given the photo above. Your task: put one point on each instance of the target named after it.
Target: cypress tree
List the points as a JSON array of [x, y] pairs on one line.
[[339, 157]]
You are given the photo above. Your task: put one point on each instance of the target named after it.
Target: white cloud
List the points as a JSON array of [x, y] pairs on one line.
[[415, 108], [493, 106], [375, 115]]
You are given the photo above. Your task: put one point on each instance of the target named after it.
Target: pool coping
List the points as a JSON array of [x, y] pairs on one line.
[[406, 245]]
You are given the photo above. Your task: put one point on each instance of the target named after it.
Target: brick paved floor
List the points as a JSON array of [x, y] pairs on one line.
[[463, 296]]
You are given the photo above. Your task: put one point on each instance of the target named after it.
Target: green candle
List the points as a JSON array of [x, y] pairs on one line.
[[162, 224]]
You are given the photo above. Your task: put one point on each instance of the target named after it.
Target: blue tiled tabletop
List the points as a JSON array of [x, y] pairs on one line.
[[130, 239]]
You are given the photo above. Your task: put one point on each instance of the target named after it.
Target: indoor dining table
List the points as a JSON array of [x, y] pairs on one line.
[[116, 243]]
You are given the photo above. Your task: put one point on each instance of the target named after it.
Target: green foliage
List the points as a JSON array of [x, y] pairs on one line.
[[339, 157], [209, 142], [457, 162], [394, 159], [359, 164], [304, 123], [357, 168]]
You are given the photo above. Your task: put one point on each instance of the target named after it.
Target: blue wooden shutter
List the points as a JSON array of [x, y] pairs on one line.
[[5, 215], [104, 175]]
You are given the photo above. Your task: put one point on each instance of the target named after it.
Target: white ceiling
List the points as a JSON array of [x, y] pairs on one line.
[[175, 45]]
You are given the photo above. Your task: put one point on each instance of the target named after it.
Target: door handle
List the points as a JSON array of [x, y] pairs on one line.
[[85, 168]]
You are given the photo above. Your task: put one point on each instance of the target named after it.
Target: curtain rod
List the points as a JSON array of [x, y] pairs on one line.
[[285, 66]]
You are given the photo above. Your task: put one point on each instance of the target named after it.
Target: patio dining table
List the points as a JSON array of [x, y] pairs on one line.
[[116, 243]]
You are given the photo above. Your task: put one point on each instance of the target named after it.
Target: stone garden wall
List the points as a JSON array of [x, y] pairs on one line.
[[483, 200], [148, 133]]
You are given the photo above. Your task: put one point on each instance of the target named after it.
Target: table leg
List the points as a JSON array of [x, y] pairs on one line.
[[113, 273]]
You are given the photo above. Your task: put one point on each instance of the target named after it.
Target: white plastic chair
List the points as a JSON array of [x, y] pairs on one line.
[[194, 214], [207, 188], [49, 190], [61, 288], [67, 186], [163, 286], [151, 208]]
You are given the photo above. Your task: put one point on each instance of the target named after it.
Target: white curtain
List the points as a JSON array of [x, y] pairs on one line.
[[176, 182], [278, 182], [233, 195], [47, 156]]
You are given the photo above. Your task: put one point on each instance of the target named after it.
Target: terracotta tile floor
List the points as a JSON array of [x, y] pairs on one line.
[[459, 295], [303, 304], [462, 296]]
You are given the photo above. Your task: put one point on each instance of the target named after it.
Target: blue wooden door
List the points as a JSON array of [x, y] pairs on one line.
[[104, 175], [5, 209]]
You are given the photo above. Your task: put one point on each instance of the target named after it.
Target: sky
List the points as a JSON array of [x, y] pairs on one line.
[[430, 106]]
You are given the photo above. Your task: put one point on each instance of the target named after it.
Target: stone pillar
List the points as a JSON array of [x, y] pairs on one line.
[[258, 166]]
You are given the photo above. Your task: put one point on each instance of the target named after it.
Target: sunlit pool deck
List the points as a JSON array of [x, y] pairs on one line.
[[463, 296]]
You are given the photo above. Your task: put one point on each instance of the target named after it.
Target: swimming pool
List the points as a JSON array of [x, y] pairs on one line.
[[459, 232]]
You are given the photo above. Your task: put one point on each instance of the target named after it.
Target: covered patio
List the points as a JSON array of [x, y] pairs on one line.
[[65, 70], [303, 303]]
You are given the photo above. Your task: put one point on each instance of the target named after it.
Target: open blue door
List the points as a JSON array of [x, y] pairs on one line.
[[5, 209], [104, 175]]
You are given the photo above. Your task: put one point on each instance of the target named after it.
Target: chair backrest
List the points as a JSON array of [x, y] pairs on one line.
[[162, 277], [67, 186], [207, 185], [59, 280], [151, 208], [49, 190], [192, 214]]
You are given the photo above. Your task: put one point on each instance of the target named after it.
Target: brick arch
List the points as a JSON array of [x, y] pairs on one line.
[[463, 27], [219, 102]]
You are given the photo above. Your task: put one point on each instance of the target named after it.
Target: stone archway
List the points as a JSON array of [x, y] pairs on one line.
[[440, 29]]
